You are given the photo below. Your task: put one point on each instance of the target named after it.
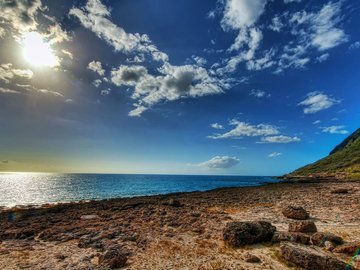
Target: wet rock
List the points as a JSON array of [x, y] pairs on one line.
[[114, 257], [348, 248], [295, 212], [310, 258], [319, 239], [297, 237], [238, 234], [303, 226], [251, 258]]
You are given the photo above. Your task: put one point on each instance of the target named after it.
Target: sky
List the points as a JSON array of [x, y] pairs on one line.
[[238, 87]]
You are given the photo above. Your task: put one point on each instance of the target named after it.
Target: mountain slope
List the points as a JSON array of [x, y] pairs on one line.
[[343, 162]]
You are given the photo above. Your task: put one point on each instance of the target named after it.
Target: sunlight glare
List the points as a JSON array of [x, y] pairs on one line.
[[38, 52]]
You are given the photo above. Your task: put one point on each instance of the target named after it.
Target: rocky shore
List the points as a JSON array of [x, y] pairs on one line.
[[299, 225]]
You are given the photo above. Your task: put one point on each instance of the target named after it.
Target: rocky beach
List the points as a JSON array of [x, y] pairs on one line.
[[289, 225]]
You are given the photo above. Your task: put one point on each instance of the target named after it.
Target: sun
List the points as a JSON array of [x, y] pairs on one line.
[[38, 52]]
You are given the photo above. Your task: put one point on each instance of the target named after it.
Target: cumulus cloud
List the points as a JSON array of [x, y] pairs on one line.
[[259, 93], [220, 162], [7, 73], [96, 66], [280, 139], [243, 129], [20, 14], [335, 130], [316, 102], [96, 17], [216, 126], [172, 83], [274, 155]]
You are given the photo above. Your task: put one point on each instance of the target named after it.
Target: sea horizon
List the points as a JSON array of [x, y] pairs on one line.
[[23, 189]]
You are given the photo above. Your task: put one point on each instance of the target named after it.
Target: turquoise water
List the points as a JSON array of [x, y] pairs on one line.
[[40, 188]]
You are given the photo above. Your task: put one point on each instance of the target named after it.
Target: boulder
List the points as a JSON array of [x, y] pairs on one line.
[[114, 257], [295, 212], [310, 258], [319, 239], [340, 191], [297, 237], [173, 202], [348, 248], [238, 234], [303, 226], [251, 258]]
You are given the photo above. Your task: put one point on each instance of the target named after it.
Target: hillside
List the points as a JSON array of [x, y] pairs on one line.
[[343, 162]]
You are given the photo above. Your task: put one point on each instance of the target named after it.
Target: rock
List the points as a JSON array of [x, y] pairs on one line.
[[310, 258], [251, 258], [238, 234], [295, 212], [329, 245], [113, 258], [174, 203], [319, 239], [340, 191], [348, 248], [297, 237], [303, 226], [87, 217]]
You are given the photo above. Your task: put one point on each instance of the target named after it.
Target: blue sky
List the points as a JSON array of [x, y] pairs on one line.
[[238, 87]]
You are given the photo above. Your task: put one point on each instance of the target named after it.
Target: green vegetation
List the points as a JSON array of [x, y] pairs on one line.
[[343, 161]]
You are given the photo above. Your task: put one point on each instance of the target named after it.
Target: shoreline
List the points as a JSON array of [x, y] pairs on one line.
[[172, 231], [48, 204]]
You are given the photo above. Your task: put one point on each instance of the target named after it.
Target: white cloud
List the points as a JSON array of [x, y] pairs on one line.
[[317, 101], [274, 155], [8, 91], [7, 73], [239, 14], [243, 129], [97, 82], [316, 122], [291, 1], [172, 83], [137, 111], [355, 45], [259, 93], [322, 57], [95, 16], [322, 30], [20, 14], [220, 162], [280, 139], [96, 67], [276, 24], [217, 126], [335, 130]]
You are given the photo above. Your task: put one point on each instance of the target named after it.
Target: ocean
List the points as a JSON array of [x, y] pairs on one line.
[[41, 188]]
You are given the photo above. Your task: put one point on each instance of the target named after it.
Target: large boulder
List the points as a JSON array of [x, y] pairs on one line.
[[303, 226], [238, 234], [295, 212], [319, 239], [310, 258], [114, 257], [297, 237]]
